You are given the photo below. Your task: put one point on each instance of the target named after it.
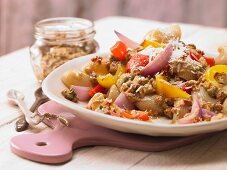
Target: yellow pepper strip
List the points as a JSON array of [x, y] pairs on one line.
[[100, 69], [154, 44], [169, 90], [210, 73], [108, 80]]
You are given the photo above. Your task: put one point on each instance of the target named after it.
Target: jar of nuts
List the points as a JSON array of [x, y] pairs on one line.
[[58, 40]]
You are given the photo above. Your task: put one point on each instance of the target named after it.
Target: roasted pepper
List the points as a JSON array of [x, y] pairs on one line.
[[169, 90], [210, 73], [97, 89], [154, 44], [119, 50], [210, 61], [108, 80]]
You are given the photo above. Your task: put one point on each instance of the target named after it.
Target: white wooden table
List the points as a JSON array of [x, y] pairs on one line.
[[16, 72]]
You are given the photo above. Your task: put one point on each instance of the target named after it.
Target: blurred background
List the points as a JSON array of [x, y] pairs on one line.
[[17, 17]]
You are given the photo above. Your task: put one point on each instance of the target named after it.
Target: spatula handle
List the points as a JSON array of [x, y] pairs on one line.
[[51, 147]]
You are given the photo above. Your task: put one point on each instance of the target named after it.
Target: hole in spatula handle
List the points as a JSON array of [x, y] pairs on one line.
[[41, 143]]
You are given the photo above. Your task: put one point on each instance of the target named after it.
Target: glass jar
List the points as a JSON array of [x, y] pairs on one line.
[[58, 40]]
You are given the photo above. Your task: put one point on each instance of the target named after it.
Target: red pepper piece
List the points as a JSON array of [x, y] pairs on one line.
[[210, 61], [119, 50], [97, 89], [194, 56]]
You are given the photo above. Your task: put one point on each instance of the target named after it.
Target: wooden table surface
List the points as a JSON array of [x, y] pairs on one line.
[[16, 73]]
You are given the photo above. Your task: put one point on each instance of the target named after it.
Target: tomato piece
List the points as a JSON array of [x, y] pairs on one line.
[[194, 56], [98, 88], [119, 50], [210, 61], [143, 116], [138, 60]]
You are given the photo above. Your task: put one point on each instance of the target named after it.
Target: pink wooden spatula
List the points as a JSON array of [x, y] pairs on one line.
[[56, 146]]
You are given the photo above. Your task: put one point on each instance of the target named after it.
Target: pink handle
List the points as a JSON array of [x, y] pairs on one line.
[[51, 147], [56, 146]]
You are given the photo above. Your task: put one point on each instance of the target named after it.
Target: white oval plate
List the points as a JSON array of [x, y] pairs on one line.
[[52, 87]]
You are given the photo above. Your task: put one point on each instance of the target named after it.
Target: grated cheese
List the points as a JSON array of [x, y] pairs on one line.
[[141, 87], [179, 50], [151, 52]]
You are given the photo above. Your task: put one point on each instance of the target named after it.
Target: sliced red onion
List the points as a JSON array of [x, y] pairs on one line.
[[122, 102], [128, 42], [196, 112], [81, 92], [207, 113], [159, 62]]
